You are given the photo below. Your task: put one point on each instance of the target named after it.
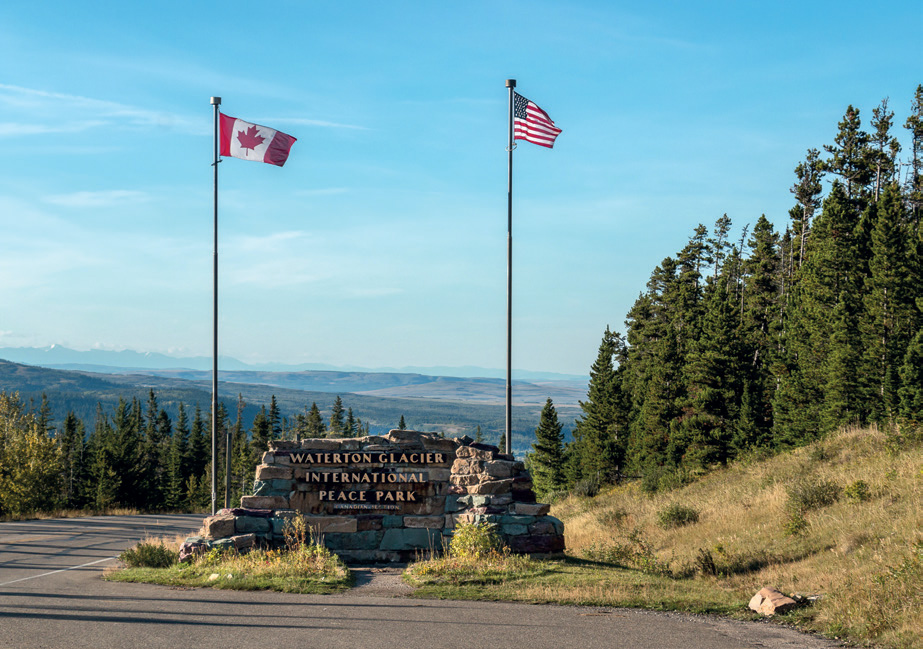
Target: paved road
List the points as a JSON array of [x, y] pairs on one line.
[[51, 595]]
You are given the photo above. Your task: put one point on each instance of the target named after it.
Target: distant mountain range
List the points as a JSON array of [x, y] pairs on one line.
[[97, 360], [452, 405]]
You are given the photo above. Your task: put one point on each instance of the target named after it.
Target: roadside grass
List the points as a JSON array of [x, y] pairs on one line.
[[69, 513], [841, 518], [301, 567], [566, 581]]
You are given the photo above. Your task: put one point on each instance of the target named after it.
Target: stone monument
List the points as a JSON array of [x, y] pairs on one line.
[[385, 498]]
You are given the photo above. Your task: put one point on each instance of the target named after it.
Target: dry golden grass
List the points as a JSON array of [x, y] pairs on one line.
[[70, 513], [862, 556]]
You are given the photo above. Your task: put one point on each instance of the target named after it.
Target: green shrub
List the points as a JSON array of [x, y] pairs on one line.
[[634, 552], [808, 493], [149, 555], [587, 488], [676, 515], [475, 541], [612, 517], [796, 523], [820, 453], [705, 563], [857, 492]]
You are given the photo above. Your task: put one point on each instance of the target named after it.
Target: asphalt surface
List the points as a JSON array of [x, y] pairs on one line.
[[51, 595]]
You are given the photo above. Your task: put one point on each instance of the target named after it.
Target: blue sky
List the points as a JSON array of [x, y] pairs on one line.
[[382, 242]]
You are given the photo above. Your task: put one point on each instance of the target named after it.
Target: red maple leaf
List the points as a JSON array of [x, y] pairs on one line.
[[250, 139]]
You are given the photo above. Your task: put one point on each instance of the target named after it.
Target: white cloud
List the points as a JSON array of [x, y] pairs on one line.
[[326, 191], [52, 105], [17, 129], [304, 121], [98, 199]]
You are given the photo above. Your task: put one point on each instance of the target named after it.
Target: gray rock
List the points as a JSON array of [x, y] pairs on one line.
[[249, 524], [411, 539]]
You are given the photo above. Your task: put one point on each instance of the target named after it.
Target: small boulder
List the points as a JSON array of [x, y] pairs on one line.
[[769, 601]]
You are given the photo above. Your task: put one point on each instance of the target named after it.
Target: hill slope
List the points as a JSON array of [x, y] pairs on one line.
[[842, 518]]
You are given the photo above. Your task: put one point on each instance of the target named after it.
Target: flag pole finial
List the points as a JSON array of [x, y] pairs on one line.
[[216, 101], [510, 83]]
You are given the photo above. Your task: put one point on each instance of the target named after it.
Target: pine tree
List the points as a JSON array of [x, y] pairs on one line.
[[46, 417], [199, 446], [832, 271], [807, 191], [177, 470], [151, 479], [718, 244], [911, 374], [337, 423], [128, 455], [701, 435], [850, 155], [402, 425], [760, 323], [105, 482], [71, 441], [260, 433], [350, 427], [314, 427], [889, 305], [547, 458], [842, 392], [914, 124], [600, 434], [275, 419], [885, 147]]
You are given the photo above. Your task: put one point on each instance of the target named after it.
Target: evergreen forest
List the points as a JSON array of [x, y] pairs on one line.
[[756, 344], [138, 457]]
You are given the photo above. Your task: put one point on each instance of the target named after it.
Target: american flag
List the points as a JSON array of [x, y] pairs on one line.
[[531, 123]]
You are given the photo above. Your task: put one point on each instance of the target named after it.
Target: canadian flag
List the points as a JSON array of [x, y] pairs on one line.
[[240, 139]]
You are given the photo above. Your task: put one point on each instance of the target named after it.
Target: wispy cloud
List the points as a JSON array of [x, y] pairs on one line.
[[98, 199], [324, 191], [64, 112], [14, 129], [304, 121]]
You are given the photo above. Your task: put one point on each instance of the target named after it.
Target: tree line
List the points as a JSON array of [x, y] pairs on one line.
[[138, 457], [770, 341]]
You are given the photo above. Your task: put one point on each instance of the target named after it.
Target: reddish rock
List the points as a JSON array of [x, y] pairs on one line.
[[240, 511], [466, 467], [536, 544], [271, 472], [218, 527], [531, 509], [244, 541], [769, 601], [436, 443], [472, 452], [465, 480], [264, 502], [500, 469], [492, 487]]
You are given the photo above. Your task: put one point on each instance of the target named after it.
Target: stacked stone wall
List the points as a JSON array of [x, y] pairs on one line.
[[385, 498]]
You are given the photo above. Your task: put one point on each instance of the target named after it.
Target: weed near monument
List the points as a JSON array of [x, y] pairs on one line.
[[476, 555], [303, 566]]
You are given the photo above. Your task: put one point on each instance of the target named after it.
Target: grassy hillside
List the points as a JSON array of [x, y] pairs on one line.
[[842, 519]]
